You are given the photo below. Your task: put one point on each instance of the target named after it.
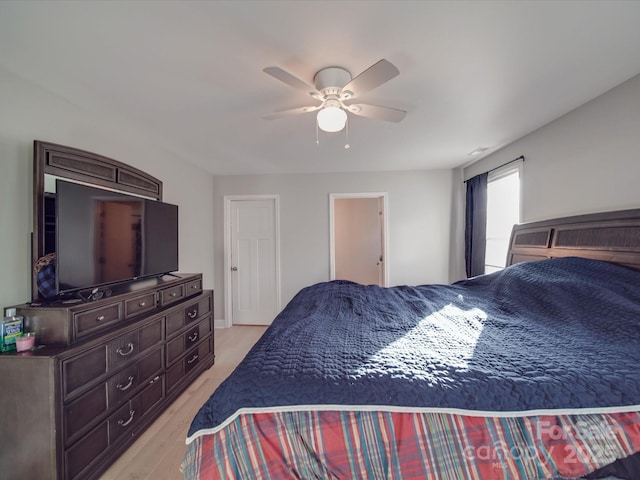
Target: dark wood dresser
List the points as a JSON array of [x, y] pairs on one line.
[[108, 369]]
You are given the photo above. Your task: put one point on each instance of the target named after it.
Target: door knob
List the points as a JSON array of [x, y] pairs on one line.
[[234, 269]]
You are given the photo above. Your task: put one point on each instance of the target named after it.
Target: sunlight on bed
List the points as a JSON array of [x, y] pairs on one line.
[[457, 333]]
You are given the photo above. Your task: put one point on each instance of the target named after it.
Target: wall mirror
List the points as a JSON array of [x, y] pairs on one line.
[[51, 162]]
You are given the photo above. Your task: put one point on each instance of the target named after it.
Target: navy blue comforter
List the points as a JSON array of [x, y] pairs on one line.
[[554, 334]]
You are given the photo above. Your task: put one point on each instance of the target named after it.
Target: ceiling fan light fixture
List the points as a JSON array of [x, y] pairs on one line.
[[334, 86], [331, 119]]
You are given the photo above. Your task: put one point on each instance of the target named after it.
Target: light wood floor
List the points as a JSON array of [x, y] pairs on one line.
[[158, 452]]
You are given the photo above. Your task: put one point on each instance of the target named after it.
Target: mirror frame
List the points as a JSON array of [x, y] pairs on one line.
[[85, 167]]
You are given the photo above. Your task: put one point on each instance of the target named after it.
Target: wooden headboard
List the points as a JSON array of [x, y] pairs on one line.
[[608, 236]]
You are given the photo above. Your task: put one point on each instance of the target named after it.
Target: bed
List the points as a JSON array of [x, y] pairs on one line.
[[526, 373]]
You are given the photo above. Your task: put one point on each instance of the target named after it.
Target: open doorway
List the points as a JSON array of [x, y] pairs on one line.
[[359, 245]]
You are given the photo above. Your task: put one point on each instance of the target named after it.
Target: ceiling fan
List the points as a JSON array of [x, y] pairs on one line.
[[335, 89]]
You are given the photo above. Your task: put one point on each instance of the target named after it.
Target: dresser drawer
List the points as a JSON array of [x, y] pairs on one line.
[[91, 321], [193, 287], [124, 348], [139, 305], [151, 395], [82, 369], [177, 319], [83, 453], [192, 360], [191, 313], [177, 373], [80, 414], [184, 342], [171, 295], [124, 419], [120, 385]]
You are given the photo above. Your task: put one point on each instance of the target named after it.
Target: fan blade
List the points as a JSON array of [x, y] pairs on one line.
[[291, 111], [379, 113], [372, 77], [286, 77]]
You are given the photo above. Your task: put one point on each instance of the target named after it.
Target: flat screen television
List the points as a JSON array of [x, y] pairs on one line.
[[105, 237]]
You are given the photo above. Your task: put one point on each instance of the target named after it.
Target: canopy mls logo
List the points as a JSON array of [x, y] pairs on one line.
[[575, 441]]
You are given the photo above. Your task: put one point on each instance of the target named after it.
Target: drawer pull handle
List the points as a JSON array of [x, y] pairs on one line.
[[142, 304], [194, 287], [130, 348], [100, 318], [194, 337], [192, 314], [192, 359], [124, 423], [122, 388], [173, 294]]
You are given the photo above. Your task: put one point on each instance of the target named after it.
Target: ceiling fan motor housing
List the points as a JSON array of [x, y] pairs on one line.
[[331, 80]]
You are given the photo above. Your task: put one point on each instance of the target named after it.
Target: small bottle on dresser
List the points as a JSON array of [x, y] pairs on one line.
[[10, 328]]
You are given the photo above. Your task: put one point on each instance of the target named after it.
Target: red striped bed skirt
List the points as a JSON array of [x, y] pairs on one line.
[[399, 445]]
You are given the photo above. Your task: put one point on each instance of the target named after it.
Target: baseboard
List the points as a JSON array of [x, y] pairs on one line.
[[219, 323]]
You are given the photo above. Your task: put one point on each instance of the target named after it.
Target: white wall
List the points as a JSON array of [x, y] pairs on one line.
[[419, 224], [586, 161], [27, 113]]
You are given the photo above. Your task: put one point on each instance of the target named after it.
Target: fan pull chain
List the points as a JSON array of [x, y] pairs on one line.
[[317, 135], [346, 133]]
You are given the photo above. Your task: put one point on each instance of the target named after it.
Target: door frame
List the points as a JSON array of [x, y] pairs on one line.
[[385, 230], [228, 295]]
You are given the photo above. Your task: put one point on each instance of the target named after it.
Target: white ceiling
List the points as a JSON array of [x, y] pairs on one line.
[[187, 75]]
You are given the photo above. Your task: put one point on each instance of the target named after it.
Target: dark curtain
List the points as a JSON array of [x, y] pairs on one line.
[[475, 227]]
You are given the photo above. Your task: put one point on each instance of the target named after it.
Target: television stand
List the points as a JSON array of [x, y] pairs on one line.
[[101, 373]]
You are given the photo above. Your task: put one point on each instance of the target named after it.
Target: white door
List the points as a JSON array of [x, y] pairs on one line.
[[253, 261], [359, 238]]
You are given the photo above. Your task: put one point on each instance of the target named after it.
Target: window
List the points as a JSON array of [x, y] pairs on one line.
[[503, 211]]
